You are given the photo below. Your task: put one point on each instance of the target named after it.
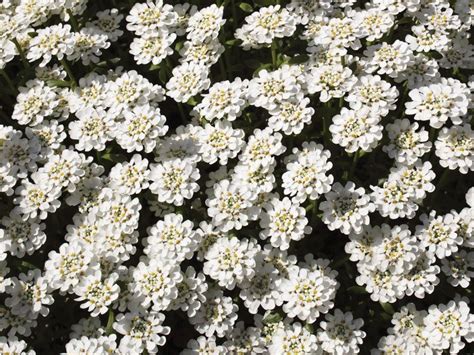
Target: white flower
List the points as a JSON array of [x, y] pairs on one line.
[[263, 289], [394, 249], [394, 200], [407, 143], [438, 234], [331, 81], [24, 236], [220, 142], [141, 331], [55, 40], [88, 45], [130, 178], [346, 208], [340, 333], [205, 24], [374, 23], [152, 49], [340, 32], [455, 148], [29, 295], [416, 177], [283, 221], [35, 102], [102, 345], [37, 199], [13, 346], [216, 316], [230, 261], [262, 147], [422, 278], [98, 294], [373, 92], [459, 268], [108, 21], [268, 89], [389, 59], [7, 179], [188, 79], [140, 129], [266, 24], [225, 100], [8, 51], [421, 71], [356, 129], [425, 40], [49, 135], [155, 282], [19, 153], [383, 286], [190, 292], [90, 93], [231, 207], [307, 294], [305, 174], [206, 53], [173, 181], [151, 18], [119, 210], [63, 170], [258, 178], [93, 129], [64, 269], [295, 339], [203, 345], [290, 116], [131, 89], [446, 324], [438, 102], [173, 236]]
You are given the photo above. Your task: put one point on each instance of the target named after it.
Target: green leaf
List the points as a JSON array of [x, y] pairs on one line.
[[59, 83], [154, 67], [246, 7], [110, 322], [178, 46], [192, 101], [231, 42], [162, 75], [387, 307], [272, 318], [263, 66]]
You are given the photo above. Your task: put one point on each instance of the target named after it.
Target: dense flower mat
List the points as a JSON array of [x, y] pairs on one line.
[[262, 177]]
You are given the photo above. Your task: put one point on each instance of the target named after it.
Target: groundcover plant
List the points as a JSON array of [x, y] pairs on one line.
[[227, 177]]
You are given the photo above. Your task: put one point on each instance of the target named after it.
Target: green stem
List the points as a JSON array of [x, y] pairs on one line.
[[274, 54], [181, 112], [355, 159], [234, 15], [8, 80], [69, 72], [26, 64], [74, 23]]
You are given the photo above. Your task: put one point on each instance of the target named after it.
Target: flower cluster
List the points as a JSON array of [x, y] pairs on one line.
[[287, 177]]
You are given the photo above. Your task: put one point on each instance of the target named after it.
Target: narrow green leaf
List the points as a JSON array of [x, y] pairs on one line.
[[272, 318], [246, 7]]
